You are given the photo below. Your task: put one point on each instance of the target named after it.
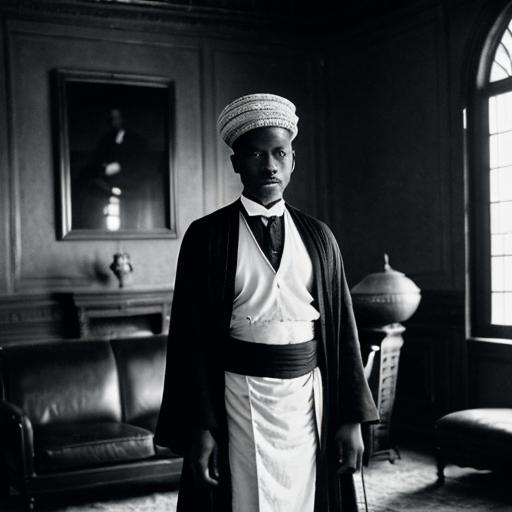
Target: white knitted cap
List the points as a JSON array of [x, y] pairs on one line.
[[256, 111]]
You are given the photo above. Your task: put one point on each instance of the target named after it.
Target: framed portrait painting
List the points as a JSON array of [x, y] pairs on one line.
[[115, 154]]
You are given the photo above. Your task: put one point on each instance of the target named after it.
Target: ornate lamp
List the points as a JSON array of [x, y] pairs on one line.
[[381, 301]]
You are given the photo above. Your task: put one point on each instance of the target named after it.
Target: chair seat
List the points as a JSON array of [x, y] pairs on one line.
[[495, 424], [78, 445], [480, 438]]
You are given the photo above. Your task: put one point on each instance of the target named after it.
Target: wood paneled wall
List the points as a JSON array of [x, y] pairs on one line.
[[208, 70], [397, 87], [391, 172], [380, 156]]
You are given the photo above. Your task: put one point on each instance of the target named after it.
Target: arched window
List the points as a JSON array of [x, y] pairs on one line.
[[490, 197]]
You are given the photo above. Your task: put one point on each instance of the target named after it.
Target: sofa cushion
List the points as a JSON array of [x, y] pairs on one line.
[[141, 367], [81, 445], [64, 381]]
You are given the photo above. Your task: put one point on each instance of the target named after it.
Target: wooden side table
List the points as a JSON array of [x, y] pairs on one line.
[[121, 313]]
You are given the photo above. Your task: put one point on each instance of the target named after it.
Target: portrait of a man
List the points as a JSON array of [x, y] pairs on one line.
[[119, 153]]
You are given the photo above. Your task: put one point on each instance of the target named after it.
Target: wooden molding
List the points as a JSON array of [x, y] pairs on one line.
[[25, 318], [157, 15]]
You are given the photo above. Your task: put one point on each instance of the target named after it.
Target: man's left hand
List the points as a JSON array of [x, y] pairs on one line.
[[349, 443]]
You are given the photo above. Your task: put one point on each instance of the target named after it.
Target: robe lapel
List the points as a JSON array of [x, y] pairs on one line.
[[317, 254], [227, 260]]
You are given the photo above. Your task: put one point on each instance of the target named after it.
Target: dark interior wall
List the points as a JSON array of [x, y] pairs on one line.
[[393, 120], [397, 87], [380, 156], [35, 49], [391, 170], [209, 65]]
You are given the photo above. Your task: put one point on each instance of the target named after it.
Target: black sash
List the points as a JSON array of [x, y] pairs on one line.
[[278, 361]]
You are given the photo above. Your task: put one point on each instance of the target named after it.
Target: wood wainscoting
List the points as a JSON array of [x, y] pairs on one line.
[[433, 372]]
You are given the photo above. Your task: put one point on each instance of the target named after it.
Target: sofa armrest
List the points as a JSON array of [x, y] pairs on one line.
[[17, 440]]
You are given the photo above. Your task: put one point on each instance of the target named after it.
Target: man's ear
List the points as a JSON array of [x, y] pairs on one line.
[[234, 162], [293, 162]]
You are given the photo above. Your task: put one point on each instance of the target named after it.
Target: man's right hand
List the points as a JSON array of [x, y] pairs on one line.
[[203, 458]]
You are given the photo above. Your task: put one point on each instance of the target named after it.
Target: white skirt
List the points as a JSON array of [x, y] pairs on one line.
[[273, 436]]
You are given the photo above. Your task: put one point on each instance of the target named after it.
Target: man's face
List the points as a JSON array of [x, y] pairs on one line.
[[265, 160]]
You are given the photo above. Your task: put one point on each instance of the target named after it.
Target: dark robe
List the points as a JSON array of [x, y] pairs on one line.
[[194, 383]]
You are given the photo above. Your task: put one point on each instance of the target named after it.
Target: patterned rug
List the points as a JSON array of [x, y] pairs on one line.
[[410, 484]]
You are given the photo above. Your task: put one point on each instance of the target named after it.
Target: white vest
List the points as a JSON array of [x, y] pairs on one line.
[[273, 306]]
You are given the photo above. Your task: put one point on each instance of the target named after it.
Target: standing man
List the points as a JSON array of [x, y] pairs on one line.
[[265, 391]]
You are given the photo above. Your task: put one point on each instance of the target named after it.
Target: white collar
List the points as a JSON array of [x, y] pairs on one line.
[[253, 208]]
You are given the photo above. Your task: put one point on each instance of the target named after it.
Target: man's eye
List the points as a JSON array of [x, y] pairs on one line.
[[255, 154], [281, 153]]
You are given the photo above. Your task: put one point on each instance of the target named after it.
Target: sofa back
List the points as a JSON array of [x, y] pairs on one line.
[[63, 381], [82, 380], [141, 367]]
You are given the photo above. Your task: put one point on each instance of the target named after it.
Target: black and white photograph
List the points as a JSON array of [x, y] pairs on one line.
[[255, 255]]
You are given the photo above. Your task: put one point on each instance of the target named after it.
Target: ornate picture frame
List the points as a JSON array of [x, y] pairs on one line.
[[115, 155]]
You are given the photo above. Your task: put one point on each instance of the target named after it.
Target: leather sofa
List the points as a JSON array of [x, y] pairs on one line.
[[81, 413]]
